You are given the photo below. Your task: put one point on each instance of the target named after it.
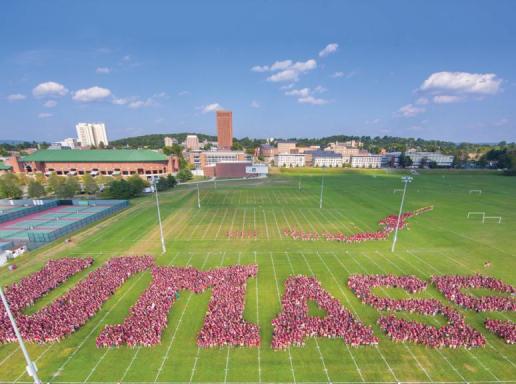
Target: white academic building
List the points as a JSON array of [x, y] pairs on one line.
[[289, 160], [366, 161], [91, 134], [420, 157]]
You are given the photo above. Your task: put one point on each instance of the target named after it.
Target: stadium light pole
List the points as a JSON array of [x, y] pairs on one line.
[[322, 188], [405, 180], [198, 197], [31, 366], [163, 248]]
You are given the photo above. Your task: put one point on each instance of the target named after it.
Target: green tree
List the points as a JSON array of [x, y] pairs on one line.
[[119, 189], [40, 178], [171, 181], [136, 185], [89, 184], [35, 189], [53, 182], [68, 188], [10, 187], [184, 175], [162, 184]]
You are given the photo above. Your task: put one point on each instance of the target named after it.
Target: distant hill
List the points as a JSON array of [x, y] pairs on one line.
[[156, 140]]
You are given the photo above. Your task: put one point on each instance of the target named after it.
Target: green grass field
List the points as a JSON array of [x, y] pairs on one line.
[[442, 241]]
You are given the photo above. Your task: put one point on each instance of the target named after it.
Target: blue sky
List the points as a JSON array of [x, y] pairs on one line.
[[432, 69]]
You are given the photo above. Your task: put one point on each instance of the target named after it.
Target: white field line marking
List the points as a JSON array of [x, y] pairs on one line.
[[265, 223], [243, 221], [96, 365], [342, 292], [279, 298], [194, 368], [188, 222], [405, 345], [176, 224], [321, 357], [258, 322], [487, 343], [254, 223], [221, 222], [95, 327], [198, 224], [165, 357], [233, 220], [300, 226], [214, 215], [299, 382], [437, 349], [277, 225], [127, 369], [9, 355], [239, 197], [285, 217], [358, 317]]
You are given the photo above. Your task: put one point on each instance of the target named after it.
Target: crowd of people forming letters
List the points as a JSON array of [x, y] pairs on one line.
[[388, 225], [224, 322]]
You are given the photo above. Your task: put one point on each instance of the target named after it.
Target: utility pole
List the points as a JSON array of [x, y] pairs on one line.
[[198, 197], [322, 188], [32, 370], [163, 248], [405, 180]]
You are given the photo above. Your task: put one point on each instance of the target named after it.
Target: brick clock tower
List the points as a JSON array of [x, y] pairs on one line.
[[225, 129]]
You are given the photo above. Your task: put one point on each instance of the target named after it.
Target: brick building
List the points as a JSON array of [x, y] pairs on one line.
[[112, 162], [224, 129]]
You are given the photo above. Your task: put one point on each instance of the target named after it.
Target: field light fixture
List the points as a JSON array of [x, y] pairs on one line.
[[405, 180]]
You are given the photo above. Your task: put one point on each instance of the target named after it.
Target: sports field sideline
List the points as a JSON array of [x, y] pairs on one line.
[[443, 241]]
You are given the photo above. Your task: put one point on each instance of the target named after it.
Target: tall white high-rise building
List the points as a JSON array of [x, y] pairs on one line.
[[91, 134]]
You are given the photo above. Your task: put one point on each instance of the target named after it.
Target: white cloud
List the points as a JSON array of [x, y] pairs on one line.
[[463, 82], [103, 70], [292, 72], [286, 70], [422, 101], [44, 115], [410, 110], [286, 75], [337, 74], [305, 66], [255, 104], [305, 95], [280, 65], [304, 92], [120, 101], [16, 97], [92, 94], [211, 107], [50, 88], [312, 100], [329, 49], [183, 93], [260, 68], [136, 104], [50, 104], [446, 99]]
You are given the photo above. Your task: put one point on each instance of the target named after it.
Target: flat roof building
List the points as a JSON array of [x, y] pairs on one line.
[[424, 158], [114, 162], [91, 134], [366, 161], [224, 129]]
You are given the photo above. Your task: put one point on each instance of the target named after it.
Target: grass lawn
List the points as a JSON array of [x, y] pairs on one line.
[[442, 241]]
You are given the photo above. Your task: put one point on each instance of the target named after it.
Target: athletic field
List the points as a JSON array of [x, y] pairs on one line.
[[442, 241]]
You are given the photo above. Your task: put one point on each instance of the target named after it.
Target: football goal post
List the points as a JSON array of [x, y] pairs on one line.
[[497, 219], [471, 214]]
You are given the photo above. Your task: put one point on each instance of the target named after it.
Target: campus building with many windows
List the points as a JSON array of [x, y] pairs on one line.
[[112, 162]]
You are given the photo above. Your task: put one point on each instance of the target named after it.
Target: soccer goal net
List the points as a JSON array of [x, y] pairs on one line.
[[496, 219], [475, 191]]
